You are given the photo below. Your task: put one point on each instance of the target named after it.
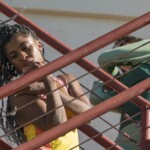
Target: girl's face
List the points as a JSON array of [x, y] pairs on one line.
[[22, 50]]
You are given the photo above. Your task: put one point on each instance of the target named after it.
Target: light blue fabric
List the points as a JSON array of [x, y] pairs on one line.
[[133, 53]]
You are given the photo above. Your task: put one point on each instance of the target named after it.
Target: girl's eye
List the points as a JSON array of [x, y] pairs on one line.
[[13, 56], [25, 48]]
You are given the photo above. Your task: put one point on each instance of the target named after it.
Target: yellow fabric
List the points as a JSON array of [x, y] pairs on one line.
[[70, 113], [30, 132], [65, 142]]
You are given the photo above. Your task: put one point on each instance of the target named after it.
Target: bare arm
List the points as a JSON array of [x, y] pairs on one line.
[[40, 107], [57, 116], [75, 100], [33, 89]]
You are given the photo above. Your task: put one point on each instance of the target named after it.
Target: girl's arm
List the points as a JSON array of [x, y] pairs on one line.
[[40, 107], [75, 100]]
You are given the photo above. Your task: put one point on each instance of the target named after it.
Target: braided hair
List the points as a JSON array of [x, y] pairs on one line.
[[7, 31], [7, 72]]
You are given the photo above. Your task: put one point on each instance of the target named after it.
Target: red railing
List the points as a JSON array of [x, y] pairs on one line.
[[4, 146], [77, 56]]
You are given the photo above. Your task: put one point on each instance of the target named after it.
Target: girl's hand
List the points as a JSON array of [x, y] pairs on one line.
[[32, 66], [35, 88]]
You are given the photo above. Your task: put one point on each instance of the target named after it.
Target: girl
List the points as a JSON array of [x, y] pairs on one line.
[[21, 52]]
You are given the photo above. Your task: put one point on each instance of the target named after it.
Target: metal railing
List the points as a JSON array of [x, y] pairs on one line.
[[77, 56]]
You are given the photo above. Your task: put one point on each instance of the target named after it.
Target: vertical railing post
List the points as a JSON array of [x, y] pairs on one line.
[[4, 146], [145, 132]]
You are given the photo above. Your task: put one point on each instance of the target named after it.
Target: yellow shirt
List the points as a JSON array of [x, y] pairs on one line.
[[65, 142]]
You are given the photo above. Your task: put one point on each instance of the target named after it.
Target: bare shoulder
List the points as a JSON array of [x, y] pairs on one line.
[[67, 77], [21, 100], [26, 105]]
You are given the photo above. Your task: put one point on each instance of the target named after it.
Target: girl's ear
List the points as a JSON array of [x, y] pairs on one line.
[[40, 45]]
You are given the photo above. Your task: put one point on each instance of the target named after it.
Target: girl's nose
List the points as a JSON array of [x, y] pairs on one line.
[[22, 55]]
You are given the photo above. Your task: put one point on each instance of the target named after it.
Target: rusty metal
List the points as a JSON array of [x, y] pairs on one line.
[[4, 145], [145, 132], [80, 52]]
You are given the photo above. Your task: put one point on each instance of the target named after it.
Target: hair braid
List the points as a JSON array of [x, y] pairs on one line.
[[7, 72]]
